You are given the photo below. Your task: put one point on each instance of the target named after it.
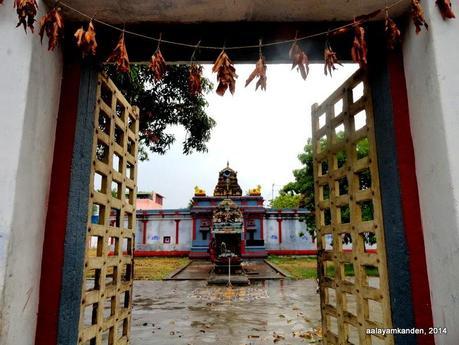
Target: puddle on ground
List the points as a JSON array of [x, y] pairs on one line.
[[192, 313]]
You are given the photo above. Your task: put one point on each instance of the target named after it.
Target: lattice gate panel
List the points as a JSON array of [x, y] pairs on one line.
[[353, 279], [105, 315]]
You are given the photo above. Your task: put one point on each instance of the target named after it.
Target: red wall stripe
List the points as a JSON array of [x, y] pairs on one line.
[[410, 199], [56, 219]]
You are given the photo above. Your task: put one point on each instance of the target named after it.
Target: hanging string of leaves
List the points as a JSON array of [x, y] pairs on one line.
[[226, 74], [359, 46], [86, 40], [417, 13], [330, 59], [260, 72], [157, 63], [299, 60], [446, 9], [194, 79], [393, 35], [26, 10], [119, 56], [53, 25]]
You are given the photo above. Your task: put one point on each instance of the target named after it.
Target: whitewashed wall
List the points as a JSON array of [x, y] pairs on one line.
[[294, 235], [432, 73], [30, 78], [158, 228]]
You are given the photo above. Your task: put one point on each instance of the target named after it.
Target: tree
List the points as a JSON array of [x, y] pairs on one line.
[[303, 186], [165, 103], [286, 200]]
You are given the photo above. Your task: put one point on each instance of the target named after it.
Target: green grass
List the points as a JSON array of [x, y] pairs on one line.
[[156, 268], [305, 267]]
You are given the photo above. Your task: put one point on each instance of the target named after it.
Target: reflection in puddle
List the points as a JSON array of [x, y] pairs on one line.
[[229, 294]]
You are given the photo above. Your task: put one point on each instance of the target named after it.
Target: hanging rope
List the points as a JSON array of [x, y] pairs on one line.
[[193, 46]]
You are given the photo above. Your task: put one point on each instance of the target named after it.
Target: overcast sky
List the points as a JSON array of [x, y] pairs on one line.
[[259, 133]]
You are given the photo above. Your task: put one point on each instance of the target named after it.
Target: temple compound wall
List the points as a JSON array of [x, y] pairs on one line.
[[188, 231], [182, 232]]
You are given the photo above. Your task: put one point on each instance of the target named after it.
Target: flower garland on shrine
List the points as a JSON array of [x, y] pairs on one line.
[[52, 24]]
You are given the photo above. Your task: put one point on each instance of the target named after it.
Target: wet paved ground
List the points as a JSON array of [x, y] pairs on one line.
[[192, 313]]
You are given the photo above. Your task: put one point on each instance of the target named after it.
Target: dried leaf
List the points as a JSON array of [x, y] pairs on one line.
[[392, 33], [119, 56], [417, 13], [226, 74], [53, 24], [26, 10], [359, 46], [330, 60], [194, 80], [446, 9], [260, 72], [86, 40], [158, 65], [299, 59]]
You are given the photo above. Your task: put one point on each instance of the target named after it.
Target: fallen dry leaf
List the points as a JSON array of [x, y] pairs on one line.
[[417, 14], [53, 24], [26, 10], [299, 59], [86, 40], [119, 56], [446, 9], [158, 65], [194, 79], [226, 74], [260, 72]]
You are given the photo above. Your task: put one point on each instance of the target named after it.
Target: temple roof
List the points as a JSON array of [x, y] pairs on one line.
[[227, 183]]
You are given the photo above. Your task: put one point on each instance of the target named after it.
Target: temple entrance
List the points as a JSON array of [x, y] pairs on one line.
[[349, 304]]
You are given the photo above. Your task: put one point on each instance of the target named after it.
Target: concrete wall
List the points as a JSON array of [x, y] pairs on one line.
[[157, 229], [294, 235], [30, 79], [432, 77]]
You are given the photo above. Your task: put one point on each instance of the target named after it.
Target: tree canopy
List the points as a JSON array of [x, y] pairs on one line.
[[301, 191], [166, 103]]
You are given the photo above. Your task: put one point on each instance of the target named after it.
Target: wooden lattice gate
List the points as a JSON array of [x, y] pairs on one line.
[[106, 301], [353, 278]]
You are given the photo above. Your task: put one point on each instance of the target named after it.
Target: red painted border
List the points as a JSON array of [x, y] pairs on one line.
[[170, 253], [293, 252], [410, 199], [177, 229], [56, 219], [279, 230]]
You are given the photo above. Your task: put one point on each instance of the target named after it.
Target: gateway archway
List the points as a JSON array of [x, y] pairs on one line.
[[396, 287]]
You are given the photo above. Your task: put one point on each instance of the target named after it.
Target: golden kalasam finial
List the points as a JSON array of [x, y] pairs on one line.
[[255, 191], [199, 191]]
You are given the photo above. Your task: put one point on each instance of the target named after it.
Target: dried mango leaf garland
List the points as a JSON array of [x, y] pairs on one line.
[[260, 72], [330, 60], [417, 13], [226, 74], [392, 32], [299, 59], [86, 40], [26, 10], [359, 46], [446, 9], [119, 56], [158, 65], [194, 79], [53, 25]]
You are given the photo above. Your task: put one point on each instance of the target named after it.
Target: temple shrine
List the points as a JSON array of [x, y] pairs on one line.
[[192, 231]]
